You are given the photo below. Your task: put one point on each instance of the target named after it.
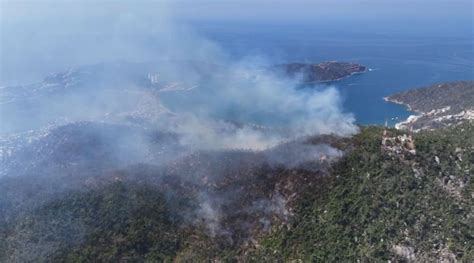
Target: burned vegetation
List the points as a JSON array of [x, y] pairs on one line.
[[198, 204], [366, 198]]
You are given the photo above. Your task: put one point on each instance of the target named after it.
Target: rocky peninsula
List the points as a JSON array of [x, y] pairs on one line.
[[322, 72], [438, 105]]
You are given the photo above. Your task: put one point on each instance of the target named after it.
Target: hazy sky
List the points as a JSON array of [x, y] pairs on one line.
[[249, 9], [308, 10]]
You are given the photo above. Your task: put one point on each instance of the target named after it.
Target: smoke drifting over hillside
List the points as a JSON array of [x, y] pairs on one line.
[[154, 92], [222, 89]]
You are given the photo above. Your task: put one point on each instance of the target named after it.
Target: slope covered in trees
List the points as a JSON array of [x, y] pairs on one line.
[[390, 201]]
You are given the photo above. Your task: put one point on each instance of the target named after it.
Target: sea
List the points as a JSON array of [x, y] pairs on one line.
[[399, 58]]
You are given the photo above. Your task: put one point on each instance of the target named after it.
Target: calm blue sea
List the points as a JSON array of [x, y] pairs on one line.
[[399, 58]]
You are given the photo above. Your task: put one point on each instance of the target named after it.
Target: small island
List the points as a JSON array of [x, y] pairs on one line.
[[322, 72], [438, 105]]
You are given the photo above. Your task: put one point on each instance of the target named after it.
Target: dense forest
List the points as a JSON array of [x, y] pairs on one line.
[[389, 197]]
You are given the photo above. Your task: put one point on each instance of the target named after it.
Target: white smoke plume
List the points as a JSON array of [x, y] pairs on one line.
[[143, 88], [269, 107]]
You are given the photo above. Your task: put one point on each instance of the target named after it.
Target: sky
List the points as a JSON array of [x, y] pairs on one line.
[[313, 10], [248, 9]]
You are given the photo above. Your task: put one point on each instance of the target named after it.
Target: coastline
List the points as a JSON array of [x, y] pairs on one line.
[[435, 117], [410, 119], [338, 79], [407, 106]]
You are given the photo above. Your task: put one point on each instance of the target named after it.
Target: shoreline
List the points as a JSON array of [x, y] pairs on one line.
[[338, 79], [410, 119], [407, 106]]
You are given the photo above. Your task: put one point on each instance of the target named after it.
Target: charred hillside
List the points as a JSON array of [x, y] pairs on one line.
[[378, 201], [203, 204]]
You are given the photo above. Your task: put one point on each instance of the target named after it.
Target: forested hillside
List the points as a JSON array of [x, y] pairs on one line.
[[390, 197]]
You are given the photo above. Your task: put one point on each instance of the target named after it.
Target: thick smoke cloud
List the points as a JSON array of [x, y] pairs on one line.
[[272, 108], [218, 88]]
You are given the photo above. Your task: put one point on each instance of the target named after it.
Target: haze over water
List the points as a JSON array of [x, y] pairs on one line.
[[400, 57], [406, 43]]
